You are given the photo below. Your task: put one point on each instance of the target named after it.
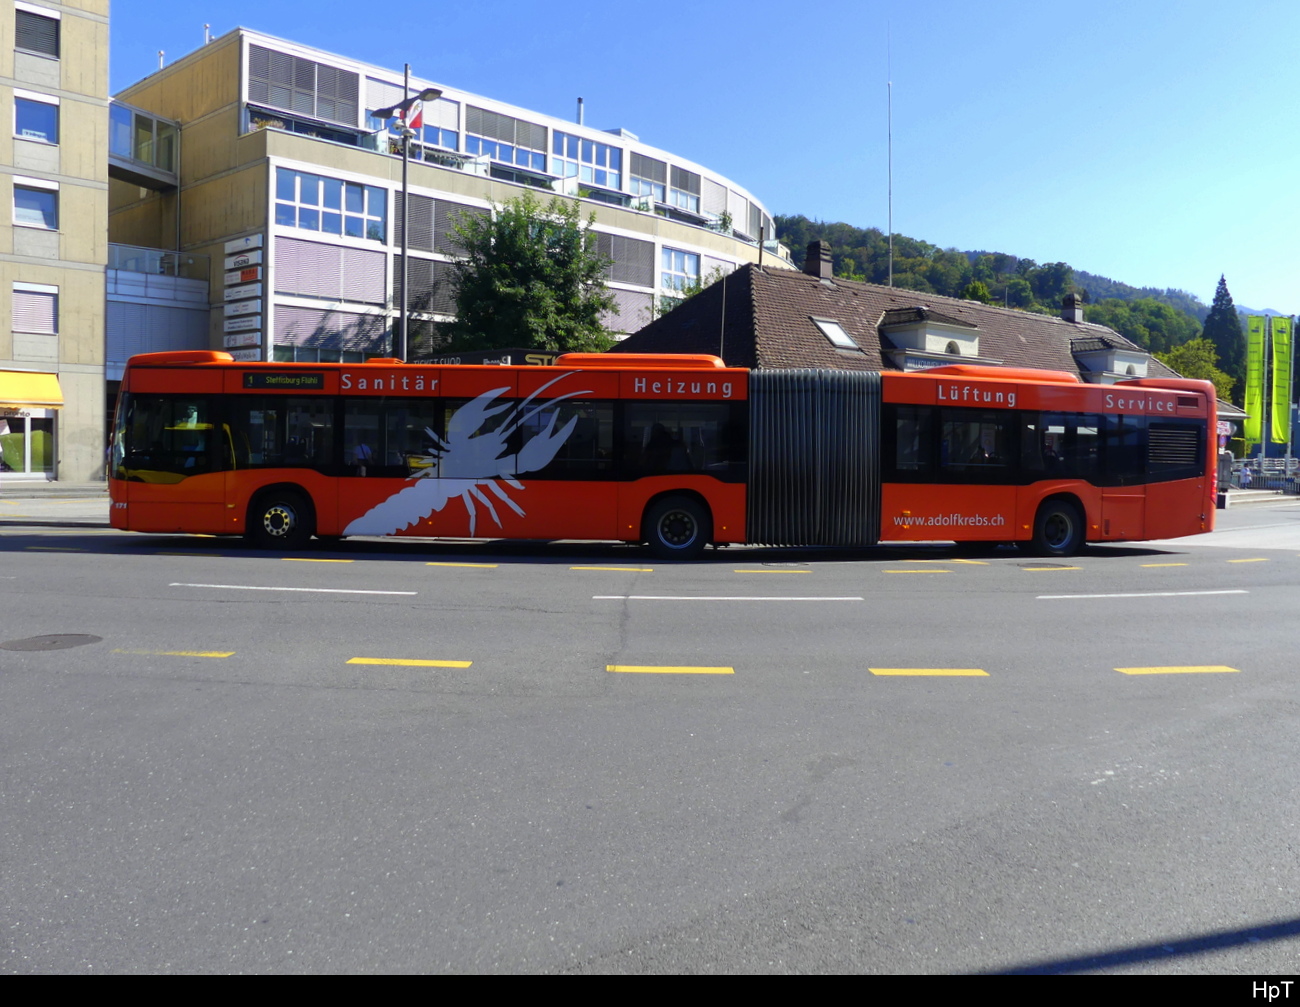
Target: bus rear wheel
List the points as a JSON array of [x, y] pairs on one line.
[[1058, 529], [678, 527], [280, 520]]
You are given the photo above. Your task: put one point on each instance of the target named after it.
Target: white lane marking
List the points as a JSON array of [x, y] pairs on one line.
[[719, 597], [310, 590], [1135, 594]]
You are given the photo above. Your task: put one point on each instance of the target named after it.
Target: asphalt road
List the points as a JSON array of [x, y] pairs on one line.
[[396, 758]]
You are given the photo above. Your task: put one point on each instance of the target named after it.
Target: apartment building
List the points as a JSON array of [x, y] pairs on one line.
[[293, 189], [53, 244]]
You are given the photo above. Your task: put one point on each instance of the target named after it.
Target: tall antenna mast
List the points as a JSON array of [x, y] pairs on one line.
[[889, 86]]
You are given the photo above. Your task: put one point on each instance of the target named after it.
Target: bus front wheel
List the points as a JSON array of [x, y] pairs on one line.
[[280, 521], [1058, 529], [678, 527]]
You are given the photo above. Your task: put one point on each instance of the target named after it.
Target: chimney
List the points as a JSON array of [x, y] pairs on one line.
[[1072, 308], [818, 260]]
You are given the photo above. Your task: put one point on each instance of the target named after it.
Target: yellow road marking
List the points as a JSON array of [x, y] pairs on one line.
[[1164, 564], [1257, 559], [409, 663], [179, 653], [1045, 569], [928, 672], [771, 571], [972, 562], [485, 566], [620, 569], [1205, 669], [310, 559], [650, 669]]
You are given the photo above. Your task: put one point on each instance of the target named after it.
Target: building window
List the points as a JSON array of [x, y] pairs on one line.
[[331, 205], [38, 33], [27, 442], [36, 118], [678, 270], [833, 331], [36, 308], [630, 259], [590, 162], [433, 136], [303, 86], [36, 206], [649, 178], [505, 138], [685, 190]]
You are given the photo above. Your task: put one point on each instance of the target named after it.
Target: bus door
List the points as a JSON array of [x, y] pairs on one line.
[[170, 460], [1124, 496]]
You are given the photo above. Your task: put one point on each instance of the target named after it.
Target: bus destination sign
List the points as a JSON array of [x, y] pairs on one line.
[[285, 380]]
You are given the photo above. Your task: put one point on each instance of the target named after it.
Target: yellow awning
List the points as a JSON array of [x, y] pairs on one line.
[[25, 390]]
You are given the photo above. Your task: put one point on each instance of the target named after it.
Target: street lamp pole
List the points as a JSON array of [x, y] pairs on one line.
[[407, 132], [403, 109]]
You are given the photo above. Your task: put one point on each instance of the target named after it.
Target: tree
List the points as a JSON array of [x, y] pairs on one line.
[[1223, 329], [977, 291], [1197, 359], [1154, 326], [1051, 282], [529, 276]]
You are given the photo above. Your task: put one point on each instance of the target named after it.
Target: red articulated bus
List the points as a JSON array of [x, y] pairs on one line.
[[675, 450]]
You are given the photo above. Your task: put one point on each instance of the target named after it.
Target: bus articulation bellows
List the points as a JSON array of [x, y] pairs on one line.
[[677, 451]]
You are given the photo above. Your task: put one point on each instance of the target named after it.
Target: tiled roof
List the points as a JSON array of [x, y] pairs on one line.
[[769, 312]]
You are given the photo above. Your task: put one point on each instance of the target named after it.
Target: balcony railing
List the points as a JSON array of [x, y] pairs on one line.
[[158, 262]]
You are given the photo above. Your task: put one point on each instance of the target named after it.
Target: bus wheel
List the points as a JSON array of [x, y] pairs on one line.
[[1058, 529], [280, 521], [678, 528]]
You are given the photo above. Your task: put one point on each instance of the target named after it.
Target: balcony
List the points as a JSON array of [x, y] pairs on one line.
[[143, 149], [158, 262]]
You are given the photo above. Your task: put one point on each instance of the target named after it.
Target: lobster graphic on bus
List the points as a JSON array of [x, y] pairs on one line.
[[473, 462]]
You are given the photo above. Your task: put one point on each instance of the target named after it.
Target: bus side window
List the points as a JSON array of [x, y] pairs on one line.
[[1126, 462], [588, 451], [282, 432], [914, 440], [683, 437], [976, 445], [392, 438]]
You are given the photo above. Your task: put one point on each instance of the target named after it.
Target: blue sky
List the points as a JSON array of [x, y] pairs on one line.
[[1151, 141]]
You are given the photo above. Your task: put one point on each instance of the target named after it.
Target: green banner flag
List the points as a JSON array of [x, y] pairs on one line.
[[1254, 378], [1281, 379]]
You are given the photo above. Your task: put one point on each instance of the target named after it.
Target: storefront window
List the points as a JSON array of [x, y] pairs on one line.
[[27, 443]]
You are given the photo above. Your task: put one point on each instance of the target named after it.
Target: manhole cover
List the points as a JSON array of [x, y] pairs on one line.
[[59, 641]]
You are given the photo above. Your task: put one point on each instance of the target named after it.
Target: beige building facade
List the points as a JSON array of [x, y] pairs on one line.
[[53, 240], [293, 189]]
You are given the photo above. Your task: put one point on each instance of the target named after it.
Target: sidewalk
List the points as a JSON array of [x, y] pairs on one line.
[[66, 505]]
